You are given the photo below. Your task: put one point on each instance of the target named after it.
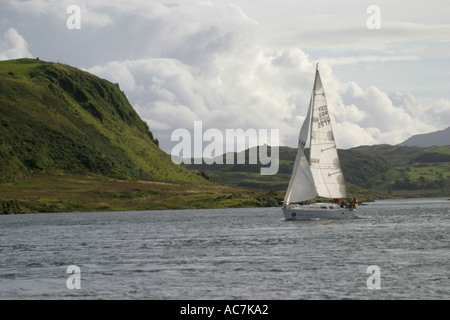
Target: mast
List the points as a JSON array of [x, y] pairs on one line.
[[313, 94], [301, 185]]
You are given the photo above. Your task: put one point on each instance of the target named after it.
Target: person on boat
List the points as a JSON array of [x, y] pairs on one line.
[[354, 203]]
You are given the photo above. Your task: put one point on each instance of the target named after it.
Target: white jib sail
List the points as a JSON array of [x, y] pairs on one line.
[[301, 186], [324, 161]]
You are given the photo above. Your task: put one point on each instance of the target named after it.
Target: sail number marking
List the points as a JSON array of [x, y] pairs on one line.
[[324, 117]]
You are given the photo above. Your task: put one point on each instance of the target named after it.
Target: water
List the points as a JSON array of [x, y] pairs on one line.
[[229, 254]]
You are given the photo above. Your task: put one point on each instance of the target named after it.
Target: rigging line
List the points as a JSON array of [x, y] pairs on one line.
[[322, 150], [331, 174], [325, 165], [322, 143]]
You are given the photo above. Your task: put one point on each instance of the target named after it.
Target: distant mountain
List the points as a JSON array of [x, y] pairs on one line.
[[438, 138], [359, 168], [377, 171]]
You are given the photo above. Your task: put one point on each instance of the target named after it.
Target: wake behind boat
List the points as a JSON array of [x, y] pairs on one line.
[[321, 176]]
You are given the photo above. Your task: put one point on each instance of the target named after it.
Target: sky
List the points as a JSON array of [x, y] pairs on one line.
[[385, 65]]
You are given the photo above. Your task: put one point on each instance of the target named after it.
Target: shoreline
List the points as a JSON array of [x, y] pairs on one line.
[[70, 192]]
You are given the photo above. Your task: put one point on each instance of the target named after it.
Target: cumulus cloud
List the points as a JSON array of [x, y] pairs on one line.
[[170, 94], [217, 70], [372, 116], [13, 46], [209, 60]]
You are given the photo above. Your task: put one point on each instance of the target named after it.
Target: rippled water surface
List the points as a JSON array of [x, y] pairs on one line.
[[229, 254]]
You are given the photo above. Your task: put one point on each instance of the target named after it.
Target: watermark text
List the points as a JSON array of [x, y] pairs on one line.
[[374, 20], [255, 140], [74, 281], [374, 281], [73, 22]]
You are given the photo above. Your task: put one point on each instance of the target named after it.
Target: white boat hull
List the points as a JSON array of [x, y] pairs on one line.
[[319, 211]]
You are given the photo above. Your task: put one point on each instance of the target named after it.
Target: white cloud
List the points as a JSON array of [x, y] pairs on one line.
[[393, 34], [357, 59], [215, 76], [179, 62], [326, 25], [372, 116], [13, 46], [269, 92]]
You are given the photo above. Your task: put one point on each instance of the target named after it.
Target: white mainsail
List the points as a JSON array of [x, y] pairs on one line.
[[322, 176]]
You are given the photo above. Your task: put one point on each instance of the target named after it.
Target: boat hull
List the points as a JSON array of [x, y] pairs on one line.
[[319, 211]]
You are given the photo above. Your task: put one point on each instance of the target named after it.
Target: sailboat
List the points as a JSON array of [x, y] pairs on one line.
[[321, 176]]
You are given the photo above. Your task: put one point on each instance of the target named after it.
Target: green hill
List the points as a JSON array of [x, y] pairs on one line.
[[55, 117], [61, 127], [414, 171], [379, 171], [70, 141], [359, 170]]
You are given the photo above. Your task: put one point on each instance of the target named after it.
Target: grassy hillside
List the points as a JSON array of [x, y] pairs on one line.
[[358, 168], [55, 117], [67, 192], [379, 171], [414, 171], [72, 141]]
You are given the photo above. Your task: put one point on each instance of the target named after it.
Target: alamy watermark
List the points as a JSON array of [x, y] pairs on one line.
[[74, 281], [255, 140], [73, 22], [374, 20], [374, 280]]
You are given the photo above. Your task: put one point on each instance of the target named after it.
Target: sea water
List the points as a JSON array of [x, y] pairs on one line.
[[229, 254]]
